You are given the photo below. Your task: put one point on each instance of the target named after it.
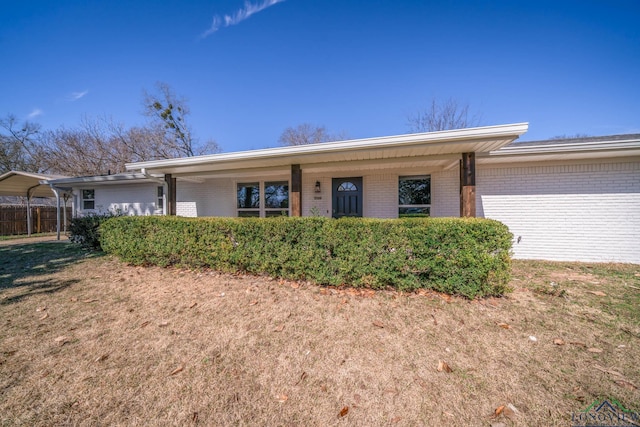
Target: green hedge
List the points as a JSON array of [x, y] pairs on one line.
[[463, 256]]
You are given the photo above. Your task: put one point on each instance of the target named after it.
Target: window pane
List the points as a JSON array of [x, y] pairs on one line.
[[276, 195], [249, 195], [248, 214], [413, 212], [276, 213], [88, 204], [347, 186], [414, 191], [88, 194], [160, 191]]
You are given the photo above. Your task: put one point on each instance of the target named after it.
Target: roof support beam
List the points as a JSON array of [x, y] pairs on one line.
[[296, 191], [171, 194], [468, 185]]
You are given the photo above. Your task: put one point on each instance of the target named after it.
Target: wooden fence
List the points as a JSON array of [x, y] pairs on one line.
[[13, 219]]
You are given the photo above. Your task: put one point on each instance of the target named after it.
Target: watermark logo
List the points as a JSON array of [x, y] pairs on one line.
[[608, 413]]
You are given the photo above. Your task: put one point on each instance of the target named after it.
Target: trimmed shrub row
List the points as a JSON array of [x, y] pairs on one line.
[[463, 256], [85, 230]]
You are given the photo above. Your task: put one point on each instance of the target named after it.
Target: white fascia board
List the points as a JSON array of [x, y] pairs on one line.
[[511, 131], [577, 147], [102, 179]]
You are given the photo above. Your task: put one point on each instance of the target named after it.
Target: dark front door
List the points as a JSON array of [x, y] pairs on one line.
[[347, 197]]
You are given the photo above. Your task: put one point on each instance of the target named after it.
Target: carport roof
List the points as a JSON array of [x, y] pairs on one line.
[[18, 183]]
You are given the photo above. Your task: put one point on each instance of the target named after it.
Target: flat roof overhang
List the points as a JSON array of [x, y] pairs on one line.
[[550, 151], [99, 180], [435, 145]]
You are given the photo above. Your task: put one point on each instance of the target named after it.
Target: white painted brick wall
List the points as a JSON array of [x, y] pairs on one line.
[[213, 197], [445, 193], [130, 199], [380, 197], [583, 211]]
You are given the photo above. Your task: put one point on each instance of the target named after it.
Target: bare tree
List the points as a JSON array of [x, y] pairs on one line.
[[307, 133], [19, 144], [169, 112], [101, 146], [439, 116]]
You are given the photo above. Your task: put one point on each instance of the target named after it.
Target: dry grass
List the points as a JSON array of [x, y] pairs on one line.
[[91, 341]]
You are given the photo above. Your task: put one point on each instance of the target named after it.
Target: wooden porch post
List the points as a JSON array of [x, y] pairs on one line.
[[171, 194], [296, 190], [468, 185]]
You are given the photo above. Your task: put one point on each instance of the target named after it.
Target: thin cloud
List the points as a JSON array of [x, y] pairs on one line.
[[77, 95], [239, 16], [35, 113]]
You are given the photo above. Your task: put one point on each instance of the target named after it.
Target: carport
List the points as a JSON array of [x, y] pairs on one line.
[[27, 184]]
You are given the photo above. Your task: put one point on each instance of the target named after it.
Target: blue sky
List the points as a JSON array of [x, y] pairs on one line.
[[358, 67]]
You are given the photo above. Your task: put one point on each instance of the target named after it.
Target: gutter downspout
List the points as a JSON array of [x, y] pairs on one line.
[[165, 188]]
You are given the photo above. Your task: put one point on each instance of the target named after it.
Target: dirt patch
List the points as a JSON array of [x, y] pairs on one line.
[[118, 345]]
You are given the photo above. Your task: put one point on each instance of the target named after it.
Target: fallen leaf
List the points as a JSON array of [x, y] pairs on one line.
[[378, 324], [578, 343], [396, 419], [435, 322], [295, 285], [194, 417], [443, 366], [532, 338], [598, 293], [283, 398], [498, 410], [344, 411], [558, 341], [101, 358], [41, 308], [254, 302], [626, 384], [504, 325], [90, 300], [510, 411], [145, 323], [163, 324], [74, 299], [594, 350], [44, 316], [302, 377], [191, 306], [62, 340], [177, 370], [279, 328]]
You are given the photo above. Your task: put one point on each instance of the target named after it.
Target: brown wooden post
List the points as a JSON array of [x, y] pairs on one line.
[[296, 190], [468, 185], [38, 224], [171, 194]]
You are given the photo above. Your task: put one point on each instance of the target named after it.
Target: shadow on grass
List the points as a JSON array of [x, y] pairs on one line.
[[27, 267]]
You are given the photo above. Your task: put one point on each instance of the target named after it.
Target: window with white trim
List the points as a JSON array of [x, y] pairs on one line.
[[160, 201], [262, 199], [414, 196], [88, 199]]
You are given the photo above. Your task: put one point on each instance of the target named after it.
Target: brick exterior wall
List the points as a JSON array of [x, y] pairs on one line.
[[130, 199], [586, 211]]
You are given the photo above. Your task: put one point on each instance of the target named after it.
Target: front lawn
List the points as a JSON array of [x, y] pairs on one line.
[[88, 340]]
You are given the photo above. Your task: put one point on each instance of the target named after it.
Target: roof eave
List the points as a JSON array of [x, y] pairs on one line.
[[507, 132]]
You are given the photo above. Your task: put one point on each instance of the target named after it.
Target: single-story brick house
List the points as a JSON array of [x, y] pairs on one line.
[[573, 199]]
